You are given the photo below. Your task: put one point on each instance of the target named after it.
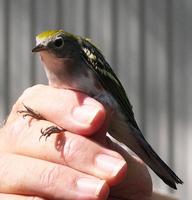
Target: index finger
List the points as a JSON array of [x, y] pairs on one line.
[[72, 110]]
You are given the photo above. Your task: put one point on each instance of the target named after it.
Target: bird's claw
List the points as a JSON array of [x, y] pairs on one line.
[[50, 130], [30, 112]]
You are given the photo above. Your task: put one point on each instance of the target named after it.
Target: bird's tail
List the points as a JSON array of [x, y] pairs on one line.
[[151, 158], [134, 139]]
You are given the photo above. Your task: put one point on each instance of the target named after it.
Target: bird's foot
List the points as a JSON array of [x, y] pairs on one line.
[[50, 130], [35, 115], [30, 112]]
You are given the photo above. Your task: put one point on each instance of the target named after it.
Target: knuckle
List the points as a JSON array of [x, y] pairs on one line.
[[37, 87], [5, 175], [49, 176], [72, 149], [28, 93], [31, 90], [4, 164]]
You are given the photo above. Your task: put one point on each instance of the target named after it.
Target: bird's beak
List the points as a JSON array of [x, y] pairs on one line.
[[38, 48]]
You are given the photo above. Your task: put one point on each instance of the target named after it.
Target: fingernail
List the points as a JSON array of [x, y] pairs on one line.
[[91, 186], [110, 164], [85, 113]]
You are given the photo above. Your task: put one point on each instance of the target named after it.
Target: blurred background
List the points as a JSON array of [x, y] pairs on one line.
[[148, 44]]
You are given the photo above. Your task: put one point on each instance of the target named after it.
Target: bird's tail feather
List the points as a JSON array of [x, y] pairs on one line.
[[157, 164], [134, 139]]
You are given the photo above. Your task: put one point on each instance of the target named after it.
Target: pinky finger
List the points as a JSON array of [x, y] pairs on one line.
[[4, 196]]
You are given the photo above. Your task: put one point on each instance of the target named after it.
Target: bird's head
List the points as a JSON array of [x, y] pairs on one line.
[[58, 42], [59, 52]]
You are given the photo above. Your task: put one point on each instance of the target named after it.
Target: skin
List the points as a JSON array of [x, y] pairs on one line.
[[67, 165]]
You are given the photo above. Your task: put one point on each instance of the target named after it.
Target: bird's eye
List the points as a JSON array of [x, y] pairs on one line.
[[58, 43]]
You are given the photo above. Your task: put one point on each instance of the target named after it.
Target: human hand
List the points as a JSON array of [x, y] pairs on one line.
[[67, 165]]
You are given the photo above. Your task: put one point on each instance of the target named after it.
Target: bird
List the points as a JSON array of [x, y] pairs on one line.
[[74, 62]]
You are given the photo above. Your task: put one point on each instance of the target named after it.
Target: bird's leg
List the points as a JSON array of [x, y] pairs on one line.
[[30, 112], [50, 130]]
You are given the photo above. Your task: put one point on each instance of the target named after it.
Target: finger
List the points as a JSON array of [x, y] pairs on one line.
[[18, 197], [74, 111], [69, 149], [47, 180]]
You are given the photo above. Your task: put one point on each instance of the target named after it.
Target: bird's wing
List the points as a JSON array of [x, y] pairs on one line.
[[136, 142], [96, 61]]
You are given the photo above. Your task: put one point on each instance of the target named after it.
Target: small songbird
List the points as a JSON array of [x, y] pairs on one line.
[[73, 62]]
